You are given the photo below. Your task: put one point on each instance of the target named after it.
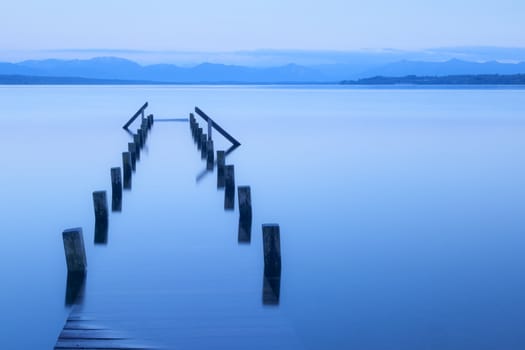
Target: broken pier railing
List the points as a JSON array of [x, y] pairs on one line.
[[226, 180]]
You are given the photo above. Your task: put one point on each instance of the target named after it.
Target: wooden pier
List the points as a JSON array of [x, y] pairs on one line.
[[82, 331]]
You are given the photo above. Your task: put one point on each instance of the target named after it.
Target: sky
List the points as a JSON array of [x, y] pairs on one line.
[[230, 25]]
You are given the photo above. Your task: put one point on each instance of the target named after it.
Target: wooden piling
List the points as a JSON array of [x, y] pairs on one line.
[[144, 133], [244, 197], [100, 204], [210, 155], [203, 146], [116, 189], [150, 121], [126, 169], [272, 250], [199, 138], [229, 187], [74, 250], [221, 160], [192, 123], [194, 131], [133, 155], [141, 138], [136, 140], [210, 124]]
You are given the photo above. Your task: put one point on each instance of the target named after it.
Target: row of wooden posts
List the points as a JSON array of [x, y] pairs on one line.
[[226, 180], [120, 179]]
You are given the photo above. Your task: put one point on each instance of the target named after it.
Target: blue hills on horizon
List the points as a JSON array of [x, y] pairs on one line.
[[113, 68]]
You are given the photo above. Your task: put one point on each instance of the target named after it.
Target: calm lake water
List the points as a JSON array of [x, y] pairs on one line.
[[401, 214]]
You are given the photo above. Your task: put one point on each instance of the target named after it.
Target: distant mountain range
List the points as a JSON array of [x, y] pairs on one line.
[[121, 70]]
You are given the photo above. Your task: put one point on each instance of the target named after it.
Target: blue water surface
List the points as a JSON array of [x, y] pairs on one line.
[[401, 214]]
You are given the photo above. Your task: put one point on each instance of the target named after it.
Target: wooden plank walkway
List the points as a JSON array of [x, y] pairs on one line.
[[84, 333]]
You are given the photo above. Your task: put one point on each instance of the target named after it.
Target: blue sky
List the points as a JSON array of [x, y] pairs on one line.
[[230, 25]]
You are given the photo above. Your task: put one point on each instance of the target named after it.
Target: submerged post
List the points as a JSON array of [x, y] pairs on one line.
[[100, 203], [210, 154], [126, 167], [116, 189], [229, 187], [133, 155], [221, 160], [272, 250], [74, 250]]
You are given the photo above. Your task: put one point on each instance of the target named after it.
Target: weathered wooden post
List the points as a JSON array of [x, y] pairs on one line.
[[210, 125], [136, 141], [74, 250], [192, 123], [272, 264], [141, 138], [144, 133], [272, 250], [100, 203], [198, 139], [116, 189], [194, 131], [126, 169], [203, 146], [245, 202], [133, 155], [221, 160], [210, 155], [229, 187], [150, 121], [245, 214], [144, 128]]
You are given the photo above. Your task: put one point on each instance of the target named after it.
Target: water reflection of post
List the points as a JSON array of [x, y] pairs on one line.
[[101, 232], [75, 286], [271, 290], [272, 264], [245, 230]]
